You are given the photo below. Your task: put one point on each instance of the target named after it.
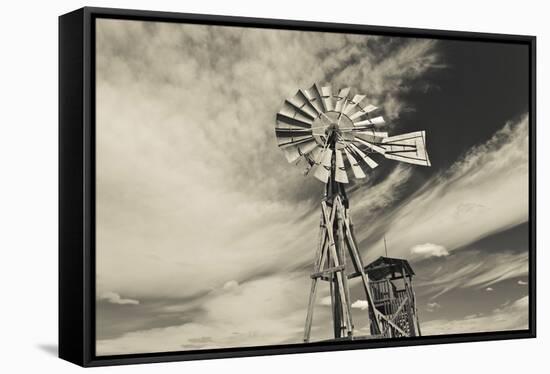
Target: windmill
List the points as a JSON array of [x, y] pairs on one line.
[[329, 133]]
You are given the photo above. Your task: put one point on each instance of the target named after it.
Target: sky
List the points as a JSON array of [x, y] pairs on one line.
[[205, 235]]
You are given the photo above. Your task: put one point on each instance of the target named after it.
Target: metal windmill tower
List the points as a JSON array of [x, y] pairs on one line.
[[328, 133]]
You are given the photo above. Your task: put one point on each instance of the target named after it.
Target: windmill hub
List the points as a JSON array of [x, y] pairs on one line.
[[333, 127], [333, 124]]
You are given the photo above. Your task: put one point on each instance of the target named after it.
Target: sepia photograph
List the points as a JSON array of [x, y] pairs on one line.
[[267, 186]]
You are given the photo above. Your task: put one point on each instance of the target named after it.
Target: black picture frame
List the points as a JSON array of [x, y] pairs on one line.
[[77, 185]]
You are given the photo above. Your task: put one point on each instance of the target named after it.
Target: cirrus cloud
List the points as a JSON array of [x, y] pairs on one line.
[[513, 316]]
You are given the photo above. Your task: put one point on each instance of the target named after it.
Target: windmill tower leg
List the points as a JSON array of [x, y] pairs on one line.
[[342, 305], [341, 252], [330, 265], [320, 259], [350, 243]]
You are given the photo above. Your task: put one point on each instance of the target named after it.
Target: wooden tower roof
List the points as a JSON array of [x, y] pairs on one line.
[[384, 266]]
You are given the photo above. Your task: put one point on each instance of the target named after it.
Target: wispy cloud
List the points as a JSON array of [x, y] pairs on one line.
[[459, 271], [522, 283], [388, 74], [513, 316], [463, 204], [228, 320]]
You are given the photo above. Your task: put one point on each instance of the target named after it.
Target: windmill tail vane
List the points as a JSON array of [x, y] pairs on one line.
[[329, 132]]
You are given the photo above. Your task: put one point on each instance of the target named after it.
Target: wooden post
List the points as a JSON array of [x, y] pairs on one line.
[[342, 254], [319, 265], [355, 255], [336, 262]]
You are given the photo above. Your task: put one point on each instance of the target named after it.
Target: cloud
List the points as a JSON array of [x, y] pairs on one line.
[[514, 316], [489, 289], [432, 307], [380, 195], [270, 310], [429, 250], [522, 283], [115, 298], [360, 304], [464, 203], [459, 271], [399, 65]]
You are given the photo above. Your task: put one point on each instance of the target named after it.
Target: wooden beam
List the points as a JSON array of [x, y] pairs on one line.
[[340, 226], [392, 324], [334, 256], [319, 264], [358, 274], [394, 316], [321, 273], [355, 254], [415, 310]]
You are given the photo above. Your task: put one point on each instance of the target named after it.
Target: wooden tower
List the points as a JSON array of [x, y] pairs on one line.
[[394, 297]]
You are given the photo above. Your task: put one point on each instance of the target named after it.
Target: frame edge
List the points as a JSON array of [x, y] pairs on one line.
[[71, 335]]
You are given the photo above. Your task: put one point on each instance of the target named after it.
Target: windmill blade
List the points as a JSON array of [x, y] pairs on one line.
[[353, 104], [357, 171], [293, 153], [341, 99], [288, 110], [291, 132], [410, 148], [371, 132], [289, 120], [313, 159], [327, 158], [314, 156], [326, 95], [322, 171], [300, 101], [372, 136], [319, 94], [340, 174], [303, 111], [287, 142], [369, 161], [314, 97], [307, 147], [373, 146], [363, 111], [310, 101], [376, 121]]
